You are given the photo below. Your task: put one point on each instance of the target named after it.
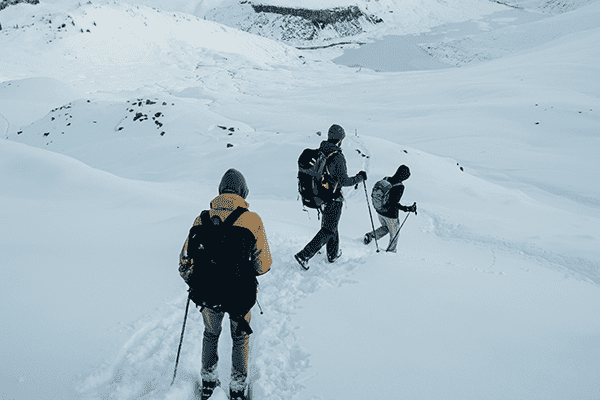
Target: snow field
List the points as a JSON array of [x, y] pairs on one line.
[[282, 364], [398, 330]]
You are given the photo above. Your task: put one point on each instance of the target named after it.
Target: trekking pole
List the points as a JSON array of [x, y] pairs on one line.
[[371, 215], [187, 306], [397, 233]]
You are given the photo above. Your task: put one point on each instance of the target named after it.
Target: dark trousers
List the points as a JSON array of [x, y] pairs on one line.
[[328, 234], [239, 352]]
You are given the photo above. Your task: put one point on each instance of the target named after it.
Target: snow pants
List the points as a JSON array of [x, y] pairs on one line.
[[239, 353], [388, 225], [328, 234]]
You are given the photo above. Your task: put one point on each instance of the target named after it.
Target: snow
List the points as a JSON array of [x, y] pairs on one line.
[[114, 140]]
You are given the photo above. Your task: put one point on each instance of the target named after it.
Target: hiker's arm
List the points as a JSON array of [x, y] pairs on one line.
[[396, 193], [183, 256], [339, 171], [261, 255]]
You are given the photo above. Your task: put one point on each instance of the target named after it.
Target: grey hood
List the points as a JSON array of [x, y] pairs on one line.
[[234, 182]]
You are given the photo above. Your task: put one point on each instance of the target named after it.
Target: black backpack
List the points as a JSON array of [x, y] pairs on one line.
[[381, 195], [314, 183], [223, 277]]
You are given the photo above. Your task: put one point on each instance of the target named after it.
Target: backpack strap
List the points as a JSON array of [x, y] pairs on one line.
[[230, 220], [326, 171], [205, 217]]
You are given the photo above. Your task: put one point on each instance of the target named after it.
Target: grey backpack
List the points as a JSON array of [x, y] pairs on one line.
[[381, 195]]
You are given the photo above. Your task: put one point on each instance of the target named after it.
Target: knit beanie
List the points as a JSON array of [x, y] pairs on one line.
[[336, 133], [234, 182]]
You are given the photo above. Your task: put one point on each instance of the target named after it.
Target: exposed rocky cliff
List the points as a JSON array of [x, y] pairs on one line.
[[6, 3], [295, 25]]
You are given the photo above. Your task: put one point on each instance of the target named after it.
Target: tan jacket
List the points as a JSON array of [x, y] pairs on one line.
[[222, 206]]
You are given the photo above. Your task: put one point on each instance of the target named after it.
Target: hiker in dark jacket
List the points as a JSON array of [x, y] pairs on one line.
[[337, 177], [389, 219], [232, 193]]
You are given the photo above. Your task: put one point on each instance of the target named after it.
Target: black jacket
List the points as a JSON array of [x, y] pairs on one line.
[[337, 170], [395, 195]]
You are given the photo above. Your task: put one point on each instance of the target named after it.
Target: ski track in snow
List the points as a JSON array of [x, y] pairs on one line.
[[576, 267], [144, 366], [7, 125]]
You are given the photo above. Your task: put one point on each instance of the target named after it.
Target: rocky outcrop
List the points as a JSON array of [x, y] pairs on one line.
[[6, 3], [319, 18], [295, 25]]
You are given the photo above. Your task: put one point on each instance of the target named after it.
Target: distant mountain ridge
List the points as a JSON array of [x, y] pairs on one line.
[[299, 22], [6, 3], [295, 24]]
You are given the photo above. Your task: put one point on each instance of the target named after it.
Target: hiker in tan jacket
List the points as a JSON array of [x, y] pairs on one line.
[[232, 194]]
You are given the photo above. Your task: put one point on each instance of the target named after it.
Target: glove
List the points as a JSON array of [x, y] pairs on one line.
[[362, 175], [412, 208], [186, 269]]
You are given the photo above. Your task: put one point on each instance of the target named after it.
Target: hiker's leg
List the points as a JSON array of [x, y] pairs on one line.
[[383, 229], [393, 225], [210, 342], [324, 234], [239, 356], [331, 220]]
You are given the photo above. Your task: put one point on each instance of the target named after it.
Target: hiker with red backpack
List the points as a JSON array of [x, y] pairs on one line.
[[386, 197], [224, 253], [330, 198]]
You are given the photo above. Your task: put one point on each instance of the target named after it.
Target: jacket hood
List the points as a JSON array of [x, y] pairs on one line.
[[228, 201], [402, 174], [234, 182], [327, 147]]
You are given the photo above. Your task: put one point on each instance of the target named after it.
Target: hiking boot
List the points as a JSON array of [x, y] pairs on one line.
[[237, 395], [332, 260], [208, 387], [303, 263], [368, 238]]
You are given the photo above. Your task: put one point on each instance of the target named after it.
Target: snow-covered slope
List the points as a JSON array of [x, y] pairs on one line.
[[498, 43], [121, 47]]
